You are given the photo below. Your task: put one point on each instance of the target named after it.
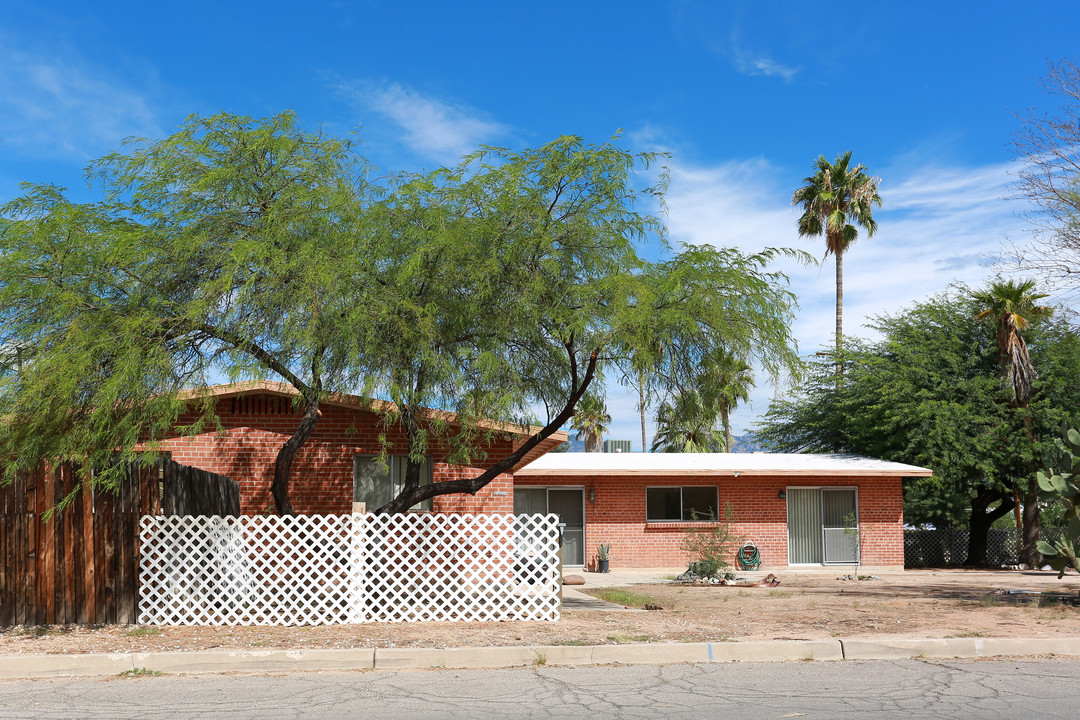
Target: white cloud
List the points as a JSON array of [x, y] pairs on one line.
[[432, 128], [56, 103], [754, 64], [938, 225]]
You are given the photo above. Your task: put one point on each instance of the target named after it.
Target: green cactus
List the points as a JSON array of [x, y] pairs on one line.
[[1058, 484]]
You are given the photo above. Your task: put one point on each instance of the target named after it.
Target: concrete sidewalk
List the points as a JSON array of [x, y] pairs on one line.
[[270, 661]]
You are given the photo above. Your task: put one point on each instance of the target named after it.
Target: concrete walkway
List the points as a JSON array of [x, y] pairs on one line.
[[273, 661]]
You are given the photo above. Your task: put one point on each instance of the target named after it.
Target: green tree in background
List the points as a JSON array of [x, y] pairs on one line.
[[835, 201], [686, 423], [730, 380], [591, 420], [928, 393]]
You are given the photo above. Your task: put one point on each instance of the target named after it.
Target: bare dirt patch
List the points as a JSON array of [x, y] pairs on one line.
[[805, 606]]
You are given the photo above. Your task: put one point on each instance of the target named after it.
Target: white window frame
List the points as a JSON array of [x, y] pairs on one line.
[[858, 524]]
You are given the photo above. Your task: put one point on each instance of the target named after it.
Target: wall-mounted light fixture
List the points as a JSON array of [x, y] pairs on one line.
[[592, 493], [782, 495], [736, 473], [499, 493]]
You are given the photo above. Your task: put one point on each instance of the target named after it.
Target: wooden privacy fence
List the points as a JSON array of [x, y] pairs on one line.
[[81, 566]]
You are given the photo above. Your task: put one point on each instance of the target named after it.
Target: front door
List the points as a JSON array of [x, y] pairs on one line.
[[569, 505]]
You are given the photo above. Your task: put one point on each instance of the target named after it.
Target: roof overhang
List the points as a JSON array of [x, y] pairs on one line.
[[713, 465]]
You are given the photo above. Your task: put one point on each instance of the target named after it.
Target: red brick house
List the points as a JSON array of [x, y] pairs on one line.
[[797, 509]]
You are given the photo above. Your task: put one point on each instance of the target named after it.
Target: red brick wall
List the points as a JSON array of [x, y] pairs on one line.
[[322, 474], [618, 517]]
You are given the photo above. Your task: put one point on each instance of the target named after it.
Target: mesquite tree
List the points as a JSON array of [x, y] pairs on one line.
[[212, 252], [242, 248]]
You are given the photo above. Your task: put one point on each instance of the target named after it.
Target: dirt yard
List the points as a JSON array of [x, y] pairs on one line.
[[946, 603]]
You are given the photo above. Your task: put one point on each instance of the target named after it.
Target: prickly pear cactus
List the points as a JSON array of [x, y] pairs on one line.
[[1058, 483]]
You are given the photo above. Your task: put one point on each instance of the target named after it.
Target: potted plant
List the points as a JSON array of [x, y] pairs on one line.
[[603, 554]]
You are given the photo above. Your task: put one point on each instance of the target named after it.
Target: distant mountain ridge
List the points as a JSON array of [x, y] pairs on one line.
[[745, 443]]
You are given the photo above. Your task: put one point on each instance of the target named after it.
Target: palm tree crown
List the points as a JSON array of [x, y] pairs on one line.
[[590, 420], [1012, 308], [730, 380], [835, 200], [687, 423]]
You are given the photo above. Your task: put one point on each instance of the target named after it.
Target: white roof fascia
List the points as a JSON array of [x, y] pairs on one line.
[[723, 464]]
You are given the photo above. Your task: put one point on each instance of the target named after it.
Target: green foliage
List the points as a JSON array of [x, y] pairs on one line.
[[212, 251], [711, 545], [623, 596], [835, 200], [603, 551], [687, 424], [1058, 484], [253, 249], [928, 393], [590, 420], [1011, 307]]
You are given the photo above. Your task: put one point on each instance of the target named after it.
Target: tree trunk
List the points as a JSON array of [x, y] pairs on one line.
[[1032, 522], [473, 484], [641, 407], [981, 520], [727, 428], [1029, 553], [839, 313], [288, 452]]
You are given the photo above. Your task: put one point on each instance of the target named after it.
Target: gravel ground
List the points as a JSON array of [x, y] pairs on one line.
[[805, 606]]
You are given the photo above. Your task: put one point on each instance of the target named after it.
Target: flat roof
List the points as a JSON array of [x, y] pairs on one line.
[[723, 464]]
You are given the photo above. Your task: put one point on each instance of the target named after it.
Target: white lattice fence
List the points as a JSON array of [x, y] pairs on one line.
[[326, 569]]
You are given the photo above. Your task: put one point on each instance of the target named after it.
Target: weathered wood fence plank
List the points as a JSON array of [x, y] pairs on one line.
[[82, 564]]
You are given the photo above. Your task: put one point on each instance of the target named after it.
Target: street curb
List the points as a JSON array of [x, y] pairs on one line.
[[489, 658]]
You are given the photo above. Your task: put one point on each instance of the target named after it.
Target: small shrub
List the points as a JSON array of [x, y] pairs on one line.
[[140, 672], [710, 546]]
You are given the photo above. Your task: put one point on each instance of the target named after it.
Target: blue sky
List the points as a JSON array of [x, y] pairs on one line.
[[744, 95]]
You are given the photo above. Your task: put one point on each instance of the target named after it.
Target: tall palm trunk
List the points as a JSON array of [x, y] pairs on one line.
[[839, 313], [1029, 553]]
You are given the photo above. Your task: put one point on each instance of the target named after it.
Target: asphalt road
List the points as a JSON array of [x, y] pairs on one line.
[[856, 689]]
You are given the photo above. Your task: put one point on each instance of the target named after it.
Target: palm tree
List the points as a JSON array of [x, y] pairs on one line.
[[1012, 307], [590, 420], [835, 199], [730, 379], [687, 423]]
